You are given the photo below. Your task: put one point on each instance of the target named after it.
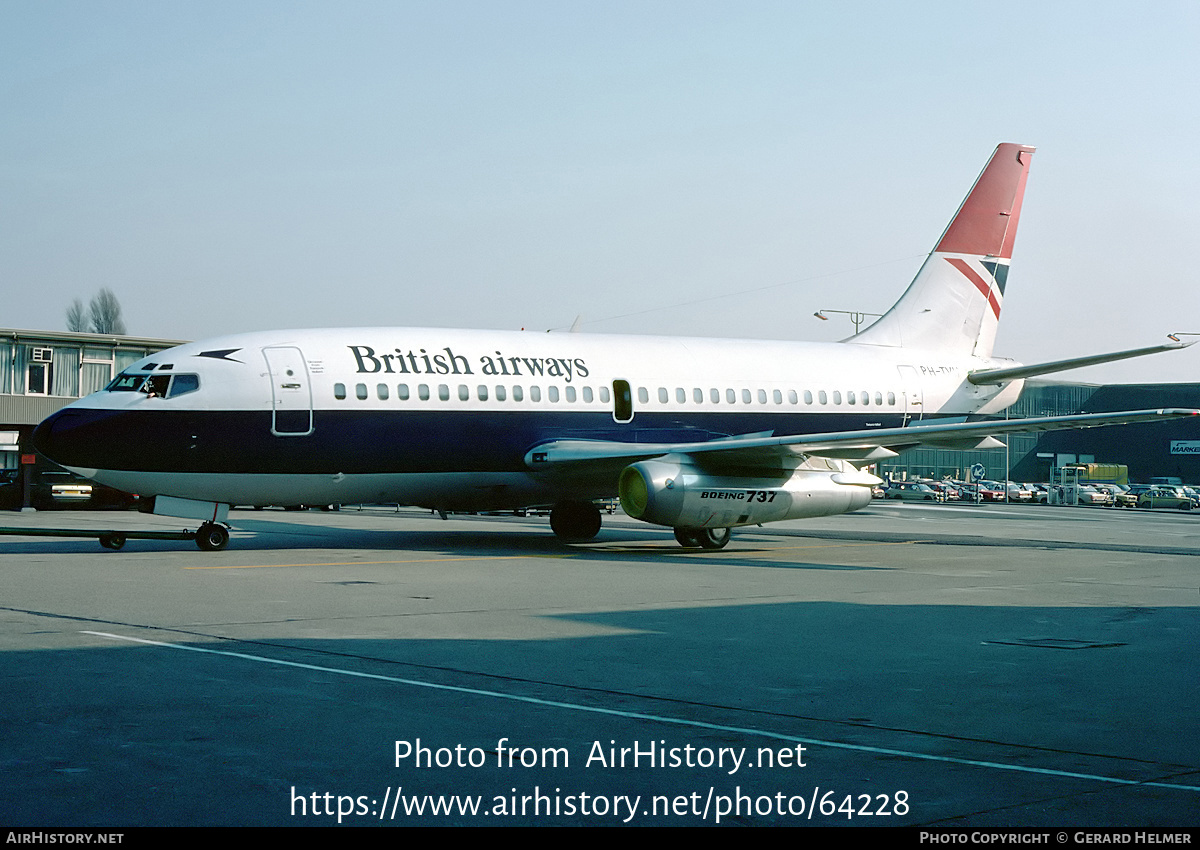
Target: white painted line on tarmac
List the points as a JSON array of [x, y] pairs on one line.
[[656, 718]]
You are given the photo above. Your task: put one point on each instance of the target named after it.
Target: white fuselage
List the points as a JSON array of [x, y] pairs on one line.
[[444, 418]]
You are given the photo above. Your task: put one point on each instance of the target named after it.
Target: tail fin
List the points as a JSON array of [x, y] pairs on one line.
[[953, 304]]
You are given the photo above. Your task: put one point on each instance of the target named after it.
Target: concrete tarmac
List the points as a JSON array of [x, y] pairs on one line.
[[906, 665]]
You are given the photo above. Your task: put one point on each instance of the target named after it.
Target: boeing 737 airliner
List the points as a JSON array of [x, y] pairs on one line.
[[701, 435]]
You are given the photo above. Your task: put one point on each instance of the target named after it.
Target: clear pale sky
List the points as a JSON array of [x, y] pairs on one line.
[[699, 168]]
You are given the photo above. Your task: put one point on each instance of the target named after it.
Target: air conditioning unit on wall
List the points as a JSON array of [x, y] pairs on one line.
[[43, 355]]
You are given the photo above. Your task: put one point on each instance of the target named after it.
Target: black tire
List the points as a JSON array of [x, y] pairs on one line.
[[575, 522], [211, 537], [714, 538], [689, 538], [112, 541]]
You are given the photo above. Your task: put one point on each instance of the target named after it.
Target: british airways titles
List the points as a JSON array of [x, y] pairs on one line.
[[446, 362]]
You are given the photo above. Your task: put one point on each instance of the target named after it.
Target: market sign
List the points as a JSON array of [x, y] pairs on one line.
[[1185, 447]]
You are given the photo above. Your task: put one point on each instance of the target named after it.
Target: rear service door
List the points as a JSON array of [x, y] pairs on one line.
[[291, 391]]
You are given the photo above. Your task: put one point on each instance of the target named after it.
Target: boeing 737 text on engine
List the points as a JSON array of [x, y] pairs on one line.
[[701, 435]]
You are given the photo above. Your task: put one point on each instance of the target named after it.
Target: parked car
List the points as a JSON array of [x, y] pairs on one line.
[[10, 489], [948, 491], [990, 491], [1018, 493], [1090, 494], [913, 491], [1117, 495], [1165, 497], [60, 489]]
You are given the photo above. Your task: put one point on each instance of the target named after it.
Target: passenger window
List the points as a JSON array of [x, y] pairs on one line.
[[715, 395], [879, 398], [808, 396], [792, 398], [535, 393], [681, 395], [698, 395], [518, 394], [587, 394], [552, 393], [382, 392], [500, 393], [824, 399], [892, 399], [837, 397], [762, 396], [443, 392], [360, 390], [643, 395], [777, 396], [339, 391], [423, 392], [731, 396], [464, 393], [483, 393], [402, 392], [604, 395], [850, 399], [663, 395], [570, 391]]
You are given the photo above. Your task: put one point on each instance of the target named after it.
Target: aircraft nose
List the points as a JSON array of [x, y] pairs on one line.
[[62, 437]]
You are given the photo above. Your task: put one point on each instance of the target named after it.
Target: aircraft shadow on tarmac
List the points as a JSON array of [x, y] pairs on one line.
[[151, 735], [512, 537]]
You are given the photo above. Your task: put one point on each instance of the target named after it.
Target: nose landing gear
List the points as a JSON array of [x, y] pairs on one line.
[[212, 537]]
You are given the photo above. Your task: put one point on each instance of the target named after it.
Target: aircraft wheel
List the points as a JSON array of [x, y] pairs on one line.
[[689, 538], [714, 538], [212, 537], [112, 541], [575, 521]]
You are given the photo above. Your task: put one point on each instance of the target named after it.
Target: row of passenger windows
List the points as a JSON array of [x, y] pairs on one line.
[[500, 392]]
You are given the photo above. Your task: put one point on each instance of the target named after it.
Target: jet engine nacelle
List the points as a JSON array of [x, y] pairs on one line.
[[681, 496]]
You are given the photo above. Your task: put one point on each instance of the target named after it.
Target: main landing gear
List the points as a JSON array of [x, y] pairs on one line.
[[578, 522], [703, 538], [575, 522]]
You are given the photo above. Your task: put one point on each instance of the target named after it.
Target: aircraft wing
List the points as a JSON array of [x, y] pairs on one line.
[[999, 376], [858, 446]]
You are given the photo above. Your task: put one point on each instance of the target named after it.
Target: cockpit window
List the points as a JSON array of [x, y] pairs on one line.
[[155, 386], [181, 384], [126, 382]]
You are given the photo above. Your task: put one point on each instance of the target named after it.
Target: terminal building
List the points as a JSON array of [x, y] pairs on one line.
[[1151, 450], [43, 371]]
